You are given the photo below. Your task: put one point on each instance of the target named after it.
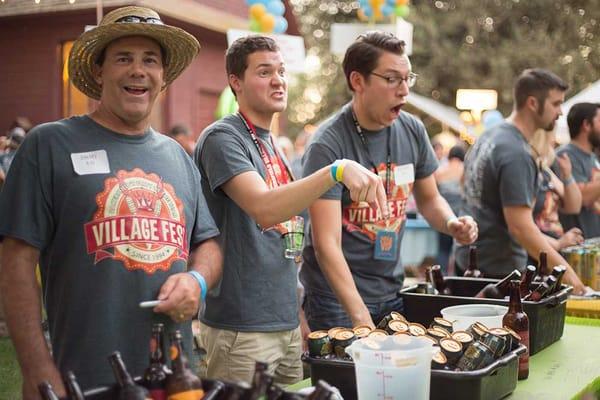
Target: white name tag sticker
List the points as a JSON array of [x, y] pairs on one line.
[[91, 162], [404, 174]]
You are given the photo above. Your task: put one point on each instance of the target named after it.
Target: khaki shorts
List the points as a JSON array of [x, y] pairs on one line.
[[231, 355]]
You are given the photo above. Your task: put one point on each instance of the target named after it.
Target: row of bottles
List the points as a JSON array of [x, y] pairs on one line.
[[159, 382]]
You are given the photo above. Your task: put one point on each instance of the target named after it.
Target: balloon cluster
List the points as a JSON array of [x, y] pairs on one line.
[[267, 16], [377, 10]]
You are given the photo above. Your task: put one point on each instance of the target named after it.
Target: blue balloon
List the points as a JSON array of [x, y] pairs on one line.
[[252, 2], [491, 118], [363, 3], [276, 8], [281, 25], [391, 3], [368, 11], [387, 10]]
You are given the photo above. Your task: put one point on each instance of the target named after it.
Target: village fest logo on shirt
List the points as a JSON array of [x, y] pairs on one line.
[[139, 221], [361, 217]]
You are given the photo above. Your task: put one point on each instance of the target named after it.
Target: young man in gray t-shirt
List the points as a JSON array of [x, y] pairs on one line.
[[584, 127], [501, 179], [253, 315], [352, 269]]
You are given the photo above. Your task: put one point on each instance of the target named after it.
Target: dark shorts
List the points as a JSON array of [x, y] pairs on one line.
[[324, 312]]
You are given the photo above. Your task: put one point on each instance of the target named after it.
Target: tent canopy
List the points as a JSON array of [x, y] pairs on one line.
[[591, 94]]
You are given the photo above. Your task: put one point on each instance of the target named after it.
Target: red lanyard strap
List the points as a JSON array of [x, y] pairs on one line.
[[264, 154]]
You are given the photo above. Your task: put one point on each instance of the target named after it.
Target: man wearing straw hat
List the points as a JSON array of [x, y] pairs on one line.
[[112, 211]]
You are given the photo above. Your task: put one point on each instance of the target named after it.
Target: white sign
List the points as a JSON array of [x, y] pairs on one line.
[[292, 47], [343, 35]]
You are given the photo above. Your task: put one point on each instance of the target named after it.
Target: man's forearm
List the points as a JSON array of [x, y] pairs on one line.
[[22, 307], [207, 259], [436, 211], [534, 242], [335, 268], [590, 192]]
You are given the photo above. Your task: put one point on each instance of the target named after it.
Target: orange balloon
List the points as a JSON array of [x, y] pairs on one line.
[[361, 15], [401, 2], [267, 23], [257, 11]]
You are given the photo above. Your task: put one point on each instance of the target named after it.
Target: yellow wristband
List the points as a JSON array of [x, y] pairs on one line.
[[339, 173]]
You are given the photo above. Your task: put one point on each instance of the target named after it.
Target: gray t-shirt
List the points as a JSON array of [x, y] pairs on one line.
[[586, 168], [499, 172], [337, 138], [257, 292], [109, 234]]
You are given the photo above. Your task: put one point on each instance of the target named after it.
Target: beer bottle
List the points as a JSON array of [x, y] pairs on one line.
[[472, 270], [182, 384], [155, 376], [542, 266], [322, 391], [438, 280], [558, 272], [429, 279], [73, 389], [127, 389], [260, 381], [215, 392], [500, 289], [540, 291], [526, 280], [517, 320], [47, 392], [236, 391]]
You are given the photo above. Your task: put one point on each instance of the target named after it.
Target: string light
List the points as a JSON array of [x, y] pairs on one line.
[[37, 1], [71, 1]]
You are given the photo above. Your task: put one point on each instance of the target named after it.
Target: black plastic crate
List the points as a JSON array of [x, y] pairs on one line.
[[546, 317], [109, 392], [493, 382]]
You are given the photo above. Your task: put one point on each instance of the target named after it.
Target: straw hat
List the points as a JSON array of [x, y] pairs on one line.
[[179, 47]]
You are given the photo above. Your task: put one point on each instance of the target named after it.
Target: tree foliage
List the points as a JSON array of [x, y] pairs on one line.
[[459, 44]]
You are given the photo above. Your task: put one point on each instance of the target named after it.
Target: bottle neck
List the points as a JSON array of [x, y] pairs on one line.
[[504, 283], [121, 375], [472, 260], [73, 388], [156, 349], [515, 305], [179, 360]]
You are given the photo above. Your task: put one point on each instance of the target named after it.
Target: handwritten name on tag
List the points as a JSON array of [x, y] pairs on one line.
[[91, 162]]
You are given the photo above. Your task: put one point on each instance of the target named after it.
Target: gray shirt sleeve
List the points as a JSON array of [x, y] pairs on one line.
[[316, 157], [517, 177], [427, 163], [223, 156], [26, 200]]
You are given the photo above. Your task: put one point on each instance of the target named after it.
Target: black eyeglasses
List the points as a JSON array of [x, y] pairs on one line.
[[136, 20], [394, 81]]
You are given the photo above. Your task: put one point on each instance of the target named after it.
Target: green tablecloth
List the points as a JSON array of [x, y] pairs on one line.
[[560, 371]]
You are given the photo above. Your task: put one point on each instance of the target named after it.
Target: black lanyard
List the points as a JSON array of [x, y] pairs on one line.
[[388, 163]]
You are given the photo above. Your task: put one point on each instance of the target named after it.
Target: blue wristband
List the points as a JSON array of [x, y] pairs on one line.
[[201, 282], [334, 168]]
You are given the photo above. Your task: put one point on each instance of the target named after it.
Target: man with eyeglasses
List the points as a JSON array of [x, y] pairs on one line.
[[352, 269]]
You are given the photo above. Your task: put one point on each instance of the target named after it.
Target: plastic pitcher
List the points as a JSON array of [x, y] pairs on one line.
[[392, 368]]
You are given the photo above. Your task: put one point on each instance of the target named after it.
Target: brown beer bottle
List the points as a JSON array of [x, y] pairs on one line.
[[541, 290], [558, 272], [542, 266], [155, 376], [322, 391], [127, 389], [182, 384], [438, 280], [46, 391], [260, 381], [517, 320], [472, 270], [215, 392], [500, 289], [526, 280], [73, 389]]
